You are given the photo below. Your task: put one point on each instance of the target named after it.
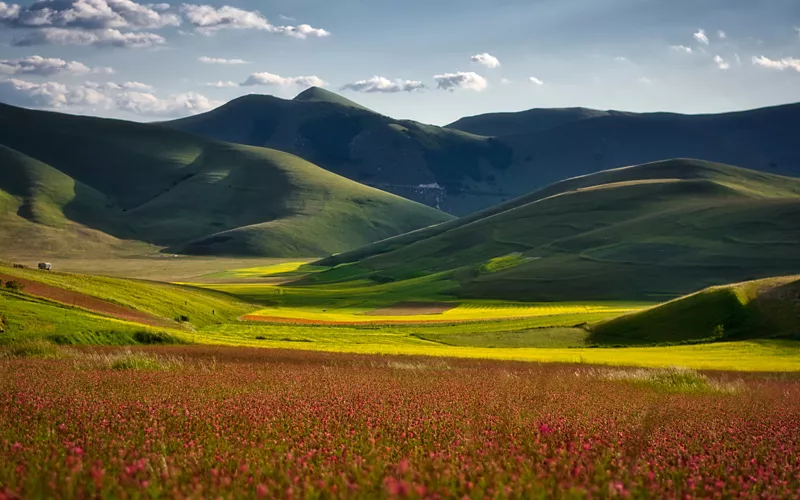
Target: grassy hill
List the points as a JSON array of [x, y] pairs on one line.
[[478, 162], [75, 184], [767, 308], [81, 309], [648, 232]]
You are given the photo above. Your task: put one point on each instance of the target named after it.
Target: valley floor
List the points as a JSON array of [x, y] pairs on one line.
[[219, 303]]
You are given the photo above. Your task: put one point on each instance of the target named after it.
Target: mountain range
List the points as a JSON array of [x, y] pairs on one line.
[[480, 161]]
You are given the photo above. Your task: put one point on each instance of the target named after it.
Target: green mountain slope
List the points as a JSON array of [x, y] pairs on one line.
[[479, 162], [754, 309], [652, 231], [126, 184]]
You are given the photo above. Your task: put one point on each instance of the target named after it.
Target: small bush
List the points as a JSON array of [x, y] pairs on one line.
[[182, 318], [14, 286], [148, 337]]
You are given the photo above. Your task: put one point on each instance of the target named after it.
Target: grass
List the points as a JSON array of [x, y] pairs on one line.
[[255, 201], [672, 379]]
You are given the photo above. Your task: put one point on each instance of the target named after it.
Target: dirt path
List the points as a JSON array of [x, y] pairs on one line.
[[83, 301], [413, 309]]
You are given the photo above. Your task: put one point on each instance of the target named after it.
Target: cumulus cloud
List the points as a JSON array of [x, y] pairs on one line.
[[384, 85], [132, 97], [269, 79], [101, 38], [88, 14], [487, 60], [50, 94], [222, 84], [645, 80], [701, 37], [779, 64], [505, 81], [219, 60], [142, 103], [208, 19], [722, 35], [621, 59], [721, 63], [38, 65], [535, 81], [681, 48], [460, 80]]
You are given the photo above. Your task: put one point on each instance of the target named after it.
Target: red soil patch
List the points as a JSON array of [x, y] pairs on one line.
[[412, 309], [83, 301]]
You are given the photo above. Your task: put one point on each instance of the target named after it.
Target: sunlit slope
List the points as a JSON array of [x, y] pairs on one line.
[[767, 308], [652, 231], [153, 185]]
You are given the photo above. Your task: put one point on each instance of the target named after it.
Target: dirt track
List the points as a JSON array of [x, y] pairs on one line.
[[413, 309], [87, 302]]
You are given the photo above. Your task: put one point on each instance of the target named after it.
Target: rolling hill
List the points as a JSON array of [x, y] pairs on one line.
[[82, 185], [767, 308], [648, 232], [478, 162]]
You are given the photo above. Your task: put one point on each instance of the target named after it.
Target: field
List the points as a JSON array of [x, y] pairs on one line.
[[243, 423]]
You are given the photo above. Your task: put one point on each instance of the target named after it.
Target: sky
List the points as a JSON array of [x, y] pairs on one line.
[[432, 61]]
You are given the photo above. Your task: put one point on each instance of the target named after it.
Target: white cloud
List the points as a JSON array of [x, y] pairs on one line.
[[384, 85], [38, 65], [486, 60], [147, 104], [721, 63], [645, 80], [779, 64], [505, 81], [535, 81], [621, 59], [219, 60], [222, 84], [283, 81], [461, 80], [722, 35], [88, 14], [126, 96], [701, 37], [681, 48], [100, 38], [208, 19], [50, 94]]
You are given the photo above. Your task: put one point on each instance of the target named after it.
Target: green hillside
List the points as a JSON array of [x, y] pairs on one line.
[[61, 314], [649, 232], [754, 309], [478, 162], [73, 185]]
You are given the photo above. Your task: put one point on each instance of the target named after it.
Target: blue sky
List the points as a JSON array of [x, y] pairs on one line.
[[432, 61]]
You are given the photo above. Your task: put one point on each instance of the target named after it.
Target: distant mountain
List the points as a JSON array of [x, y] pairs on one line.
[[80, 185], [481, 161], [651, 232], [439, 167]]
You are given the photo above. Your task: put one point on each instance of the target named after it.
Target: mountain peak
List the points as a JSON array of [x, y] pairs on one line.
[[318, 94]]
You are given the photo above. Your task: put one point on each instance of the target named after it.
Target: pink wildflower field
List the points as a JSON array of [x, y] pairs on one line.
[[249, 423]]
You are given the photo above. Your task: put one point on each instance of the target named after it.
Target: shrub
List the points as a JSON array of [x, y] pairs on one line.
[[182, 318], [14, 286], [148, 337]]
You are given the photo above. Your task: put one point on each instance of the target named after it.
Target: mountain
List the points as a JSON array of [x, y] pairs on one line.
[[74, 184], [478, 162], [654, 231], [754, 309]]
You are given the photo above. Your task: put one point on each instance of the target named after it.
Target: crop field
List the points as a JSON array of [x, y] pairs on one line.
[[252, 423]]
